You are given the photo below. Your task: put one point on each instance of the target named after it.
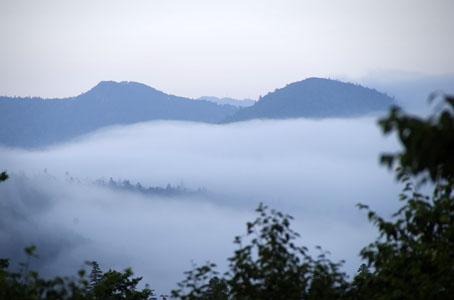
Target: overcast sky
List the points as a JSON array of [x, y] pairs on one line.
[[222, 48]]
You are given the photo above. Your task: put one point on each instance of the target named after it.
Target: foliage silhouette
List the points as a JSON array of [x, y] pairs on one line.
[[27, 284], [428, 144], [269, 265], [3, 176], [413, 257]]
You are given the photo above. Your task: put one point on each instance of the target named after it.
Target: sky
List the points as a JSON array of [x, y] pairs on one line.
[[239, 49]]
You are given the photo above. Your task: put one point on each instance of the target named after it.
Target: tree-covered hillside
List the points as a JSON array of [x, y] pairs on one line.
[[30, 122], [316, 98]]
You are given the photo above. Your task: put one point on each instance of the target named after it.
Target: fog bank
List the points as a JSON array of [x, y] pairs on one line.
[[315, 170]]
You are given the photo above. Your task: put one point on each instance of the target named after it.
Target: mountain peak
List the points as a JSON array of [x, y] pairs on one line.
[[316, 98], [107, 84], [114, 89], [318, 82]]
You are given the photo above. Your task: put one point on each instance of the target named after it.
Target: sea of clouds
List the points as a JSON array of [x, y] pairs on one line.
[[315, 170]]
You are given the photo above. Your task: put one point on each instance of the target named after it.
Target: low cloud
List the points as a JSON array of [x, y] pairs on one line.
[[315, 170]]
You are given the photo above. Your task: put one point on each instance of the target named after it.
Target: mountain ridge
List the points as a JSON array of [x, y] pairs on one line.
[[315, 98], [34, 122]]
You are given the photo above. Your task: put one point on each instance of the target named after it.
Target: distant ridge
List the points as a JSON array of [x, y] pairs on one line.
[[229, 101], [315, 98], [34, 122]]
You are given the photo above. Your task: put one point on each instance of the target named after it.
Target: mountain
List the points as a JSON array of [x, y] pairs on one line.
[[229, 101], [31, 122], [315, 98], [34, 122]]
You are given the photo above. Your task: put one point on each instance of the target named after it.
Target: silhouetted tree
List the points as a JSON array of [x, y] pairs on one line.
[[428, 143], [26, 284], [3, 176], [269, 265], [95, 274], [413, 258], [217, 290], [115, 285]]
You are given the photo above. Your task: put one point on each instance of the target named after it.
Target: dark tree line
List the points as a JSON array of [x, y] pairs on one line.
[[168, 191], [26, 284]]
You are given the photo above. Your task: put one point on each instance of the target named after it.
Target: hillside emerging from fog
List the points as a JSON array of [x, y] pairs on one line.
[[34, 122], [31, 122], [316, 98]]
